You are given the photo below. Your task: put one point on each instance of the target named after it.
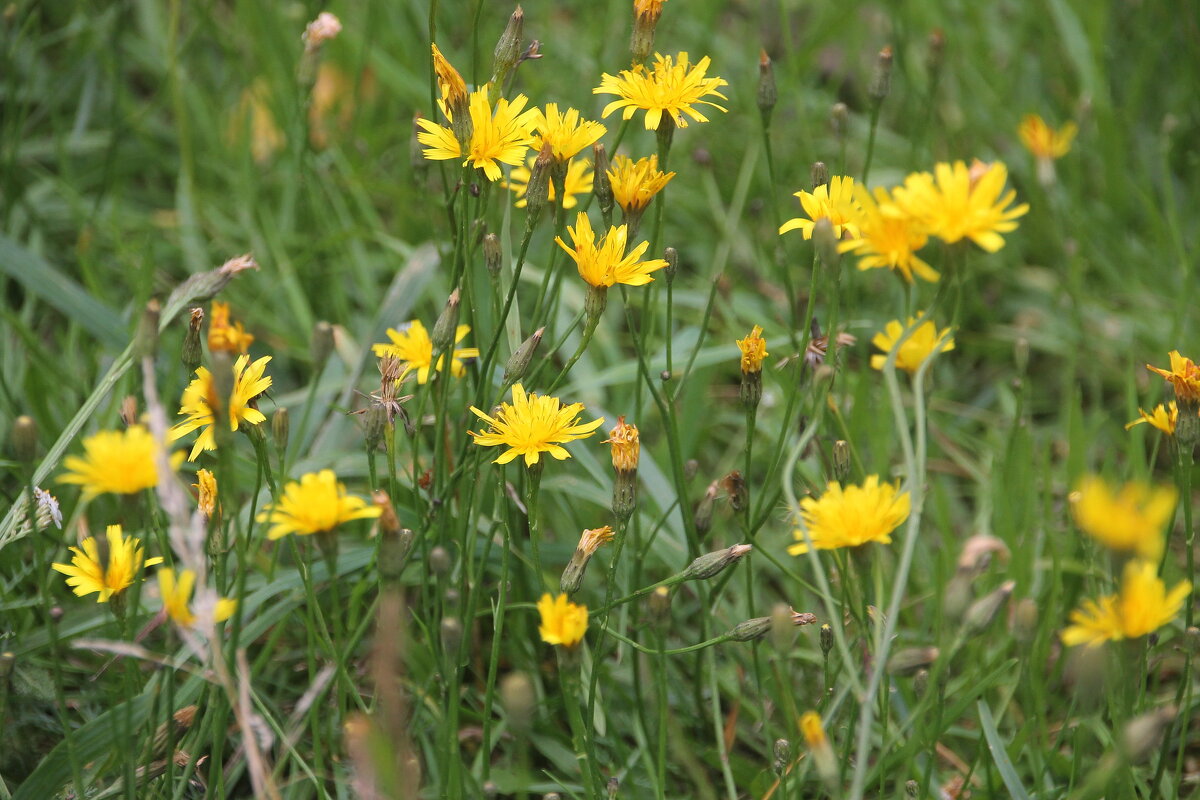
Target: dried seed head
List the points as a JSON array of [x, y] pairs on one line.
[[507, 54], [711, 564], [322, 29]]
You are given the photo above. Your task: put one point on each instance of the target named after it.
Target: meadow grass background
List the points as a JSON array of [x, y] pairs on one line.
[[126, 166]]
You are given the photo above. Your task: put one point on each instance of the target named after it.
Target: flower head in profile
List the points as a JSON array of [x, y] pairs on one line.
[[1163, 417], [578, 181], [451, 86], [923, 342], [834, 201], [200, 397], [605, 262], [413, 346], [851, 516], [1130, 518], [957, 202], [317, 503], [533, 425], [106, 567], [566, 132], [225, 336], [626, 445], [1184, 377], [648, 9], [812, 729], [672, 86], [635, 183], [563, 622], [121, 462], [754, 350], [500, 135], [1142, 606], [206, 492], [888, 237], [1045, 142], [176, 594]]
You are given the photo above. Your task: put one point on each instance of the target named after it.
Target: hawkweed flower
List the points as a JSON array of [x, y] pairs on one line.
[[834, 201], [635, 183], [1046, 143], [578, 180], [563, 622], [957, 202], [200, 398], [566, 132], [176, 594], [1184, 377], [454, 97], [626, 450], [206, 493], [887, 237], [754, 350], [533, 425], [317, 503], [604, 263], [1142, 606], [414, 348], [672, 86], [106, 567], [813, 730], [1163, 417], [851, 516], [386, 404], [499, 135], [646, 14], [1128, 519], [121, 462], [920, 345], [225, 336], [589, 542]]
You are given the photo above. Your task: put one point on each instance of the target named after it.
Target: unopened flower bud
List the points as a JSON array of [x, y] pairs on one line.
[[659, 604], [767, 93], [881, 78], [1143, 734], [1025, 620], [646, 14], [984, 610], [280, 426], [841, 460], [193, 351], [440, 561], [958, 595], [446, 327], [734, 485], [146, 339], [712, 564], [826, 640], [602, 184], [322, 344], [492, 254], [612, 787], [594, 303], [826, 243], [507, 54], [750, 629], [589, 542], [921, 683], [690, 468], [24, 438], [912, 789], [518, 362], [452, 636], [937, 49], [783, 754], [552, 796], [490, 790], [818, 174], [1191, 640], [911, 659], [671, 256], [519, 699], [704, 509], [839, 120], [375, 423], [537, 191]]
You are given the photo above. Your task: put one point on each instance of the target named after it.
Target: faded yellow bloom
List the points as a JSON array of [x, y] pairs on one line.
[[648, 9], [533, 425], [226, 336], [635, 183], [315, 504], [578, 181], [1184, 377], [626, 446], [923, 342], [106, 569], [451, 84], [754, 350], [674, 87], [834, 201], [592, 538], [956, 203], [888, 237], [499, 135], [813, 730], [1142, 606], [1162, 417], [563, 622], [200, 396], [605, 263], [122, 462], [1042, 140], [414, 347], [206, 492], [851, 516], [1129, 519], [177, 598], [565, 132]]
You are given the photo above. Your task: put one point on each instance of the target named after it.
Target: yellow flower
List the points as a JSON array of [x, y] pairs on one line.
[[315, 504], [1042, 140], [226, 337], [626, 446], [565, 132], [754, 350], [200, 396], [606, 263], [834, 201], [107, 568], [563, 622], [177, 595], [958, 203], [852, 516], [498, 136], [1129, 519], [1162, 417], [578, 181], [813, 730], [648, 9], [592, 538], [122, 462], [635, 183], [533, 425], [1184, 377], [888, 237], [918, 347], [415, 349], [206, 492], [673, 88], [1142, 607], [451, 85]]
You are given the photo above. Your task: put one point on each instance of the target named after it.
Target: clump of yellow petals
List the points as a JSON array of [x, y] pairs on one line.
[[177, 597], [648, 9], [578, 181], [225, 336], [121, 462], [754, 350], [957, 202], [626, 445], [1163, 417], [605, 263], [923, 342], [533, 425], [672, 86], [200, 396], [206, 492], [635, 183], [1045, 142], [1128, 519], [812, 729], [500, 135], [1183, 375], [834, 201], [851, 516], [315, 504], [563, 622], [451, 85], [414, 348], [1142, 606], [888, 237], [565, 131], [106, 569]]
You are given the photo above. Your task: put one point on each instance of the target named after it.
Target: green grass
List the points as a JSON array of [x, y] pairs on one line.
[[126, 168]]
